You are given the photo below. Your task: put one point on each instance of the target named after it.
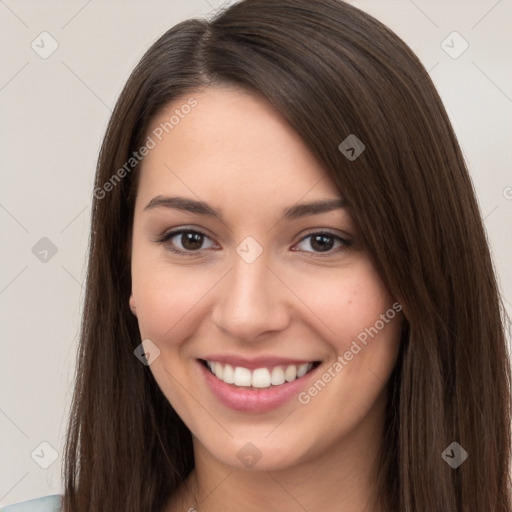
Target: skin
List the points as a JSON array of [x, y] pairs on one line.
[[237, 153]]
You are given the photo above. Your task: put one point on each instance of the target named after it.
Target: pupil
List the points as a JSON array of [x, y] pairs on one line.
[[191, 241], [322, 242]]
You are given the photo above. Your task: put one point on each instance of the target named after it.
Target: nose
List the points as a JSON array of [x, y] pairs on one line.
[[251, 302]]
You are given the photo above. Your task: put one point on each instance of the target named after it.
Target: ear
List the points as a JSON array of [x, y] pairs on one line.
[[132, 305]]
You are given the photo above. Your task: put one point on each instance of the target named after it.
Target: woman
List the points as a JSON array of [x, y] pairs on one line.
[[290, 299]]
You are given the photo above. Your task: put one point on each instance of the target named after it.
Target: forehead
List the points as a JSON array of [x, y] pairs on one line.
[[223, 142]]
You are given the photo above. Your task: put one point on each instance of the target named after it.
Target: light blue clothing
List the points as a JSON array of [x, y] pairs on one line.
[[45, 504]]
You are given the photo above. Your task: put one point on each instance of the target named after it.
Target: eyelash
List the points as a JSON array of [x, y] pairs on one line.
[[345, 244]]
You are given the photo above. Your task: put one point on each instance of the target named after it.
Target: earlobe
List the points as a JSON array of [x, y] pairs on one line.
[[132, 305]]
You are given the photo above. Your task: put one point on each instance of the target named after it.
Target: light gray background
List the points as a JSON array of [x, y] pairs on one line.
[[54, 114]]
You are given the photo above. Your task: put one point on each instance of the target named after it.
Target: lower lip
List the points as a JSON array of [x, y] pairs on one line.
[[247, 399]]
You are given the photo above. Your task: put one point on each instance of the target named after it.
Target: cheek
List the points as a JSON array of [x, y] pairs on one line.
[[168, 298], [347, 304], [373, 329], [355, 317]]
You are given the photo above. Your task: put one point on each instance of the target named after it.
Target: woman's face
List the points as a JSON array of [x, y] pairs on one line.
[[261, 289]]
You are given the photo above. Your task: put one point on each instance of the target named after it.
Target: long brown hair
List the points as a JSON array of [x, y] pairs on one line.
[[332, 71]]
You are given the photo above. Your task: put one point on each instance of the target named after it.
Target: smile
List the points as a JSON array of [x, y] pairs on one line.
[[260, 377], [256, 386]]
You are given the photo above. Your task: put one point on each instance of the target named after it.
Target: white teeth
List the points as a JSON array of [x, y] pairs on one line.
[[277, 377], [301, 371], [229, 374], [260, 377], [218, 370], [290, 373], [242, 376]]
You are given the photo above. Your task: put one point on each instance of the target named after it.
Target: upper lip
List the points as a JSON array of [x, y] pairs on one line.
[[256, 362]]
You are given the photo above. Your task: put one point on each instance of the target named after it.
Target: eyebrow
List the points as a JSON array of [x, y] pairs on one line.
[[201, 208]]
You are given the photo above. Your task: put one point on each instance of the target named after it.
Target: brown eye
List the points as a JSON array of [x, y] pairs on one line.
[[324, 243], [191, 241], [185, 241]]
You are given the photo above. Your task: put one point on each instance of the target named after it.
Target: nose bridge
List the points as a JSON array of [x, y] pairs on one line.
[[251, 300]]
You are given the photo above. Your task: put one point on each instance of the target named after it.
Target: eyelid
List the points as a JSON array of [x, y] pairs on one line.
[[326, 231]]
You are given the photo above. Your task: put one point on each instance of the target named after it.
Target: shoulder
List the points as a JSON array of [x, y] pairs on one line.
[[45, 504]]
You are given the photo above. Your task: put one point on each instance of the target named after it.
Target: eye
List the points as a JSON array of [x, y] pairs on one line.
[[190, 242], [324, 242], [185, 241]]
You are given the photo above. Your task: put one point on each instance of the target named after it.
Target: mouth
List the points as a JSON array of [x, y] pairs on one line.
[[259, 378], [258, 384]]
